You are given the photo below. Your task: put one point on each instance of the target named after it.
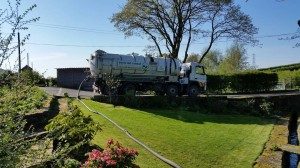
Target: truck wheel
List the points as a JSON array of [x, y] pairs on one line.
[[104, 90], [159, 90], [172, 90], [129, 89], [193, 91]]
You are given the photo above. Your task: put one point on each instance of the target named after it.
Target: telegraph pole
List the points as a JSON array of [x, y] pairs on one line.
[[28, 59], [19, 52]]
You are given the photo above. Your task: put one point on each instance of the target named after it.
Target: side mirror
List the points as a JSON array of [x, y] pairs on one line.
[[299, 23]]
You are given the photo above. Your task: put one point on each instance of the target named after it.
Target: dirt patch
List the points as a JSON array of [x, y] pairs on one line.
[[271, 155], [41, 150], [37, 121]]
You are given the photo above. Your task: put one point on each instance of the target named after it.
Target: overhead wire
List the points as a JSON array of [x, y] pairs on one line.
[[72, 28], [93, 30], [84, 46]]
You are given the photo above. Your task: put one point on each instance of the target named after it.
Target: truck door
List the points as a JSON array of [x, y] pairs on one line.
[[197, 73], [200, 74]]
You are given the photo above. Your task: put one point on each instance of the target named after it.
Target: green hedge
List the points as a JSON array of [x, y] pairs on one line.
[[242, 82], [217, 83], [253, 82]]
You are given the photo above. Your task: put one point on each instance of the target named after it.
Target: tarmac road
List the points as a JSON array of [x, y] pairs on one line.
[[57, 91]]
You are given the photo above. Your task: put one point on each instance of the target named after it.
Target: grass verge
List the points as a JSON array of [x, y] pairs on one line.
[[190, 139]]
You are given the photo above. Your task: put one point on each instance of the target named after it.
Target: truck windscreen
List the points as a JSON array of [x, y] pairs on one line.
[[200, 70]]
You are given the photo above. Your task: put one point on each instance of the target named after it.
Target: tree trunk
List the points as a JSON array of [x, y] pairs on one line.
[[189, 42], [211, 41], [207, 50]]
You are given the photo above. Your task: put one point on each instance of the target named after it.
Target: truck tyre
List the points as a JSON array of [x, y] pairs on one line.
[[159, 89], [193, 91], [172, 90], [104, 90], [129, 89]]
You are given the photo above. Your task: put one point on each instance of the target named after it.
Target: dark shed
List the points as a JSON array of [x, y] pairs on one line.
[[72, 77]]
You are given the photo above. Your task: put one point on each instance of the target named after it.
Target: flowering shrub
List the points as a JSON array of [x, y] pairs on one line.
[[113, 156]]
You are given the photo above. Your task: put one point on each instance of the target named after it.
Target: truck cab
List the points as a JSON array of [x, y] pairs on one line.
[[197, 74], [193, 78]]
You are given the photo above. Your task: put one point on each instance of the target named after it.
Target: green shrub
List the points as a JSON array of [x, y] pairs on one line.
[[70, 163], [72, 127], [217, 83], [290, 79], [16, 101], [32, 77], [51, 81], [71, 133], [253, 81], [266, 108], [6, 78], [242, 82]]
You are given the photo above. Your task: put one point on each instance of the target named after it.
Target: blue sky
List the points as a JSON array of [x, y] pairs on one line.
[[59, 16]]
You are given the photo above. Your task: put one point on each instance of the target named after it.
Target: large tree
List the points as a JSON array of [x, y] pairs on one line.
[[211, 62], [170, 22], [235, 60], [163, 21], [13, 20], [227, 21]]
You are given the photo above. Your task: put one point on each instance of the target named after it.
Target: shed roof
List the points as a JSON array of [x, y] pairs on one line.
[[74, 68]]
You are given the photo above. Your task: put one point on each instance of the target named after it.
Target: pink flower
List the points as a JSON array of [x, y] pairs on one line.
[[133, 152], [105, 158], [111, 163], [112, 156], [119, 151], [95, 154]]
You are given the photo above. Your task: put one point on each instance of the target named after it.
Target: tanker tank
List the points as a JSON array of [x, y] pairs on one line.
[[138, 73], [132, 65]]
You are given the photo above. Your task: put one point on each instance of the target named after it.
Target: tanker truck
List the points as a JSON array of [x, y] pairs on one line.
[[138, 73]]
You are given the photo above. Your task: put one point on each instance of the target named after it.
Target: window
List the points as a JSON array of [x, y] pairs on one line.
[[200, 70]]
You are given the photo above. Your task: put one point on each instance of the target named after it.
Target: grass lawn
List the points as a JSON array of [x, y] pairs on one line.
[[190, 139]]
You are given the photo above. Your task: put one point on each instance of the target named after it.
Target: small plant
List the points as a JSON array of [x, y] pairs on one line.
[[112, 84], [71, 163], [115, 155], [66, 95], [266, 107]]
